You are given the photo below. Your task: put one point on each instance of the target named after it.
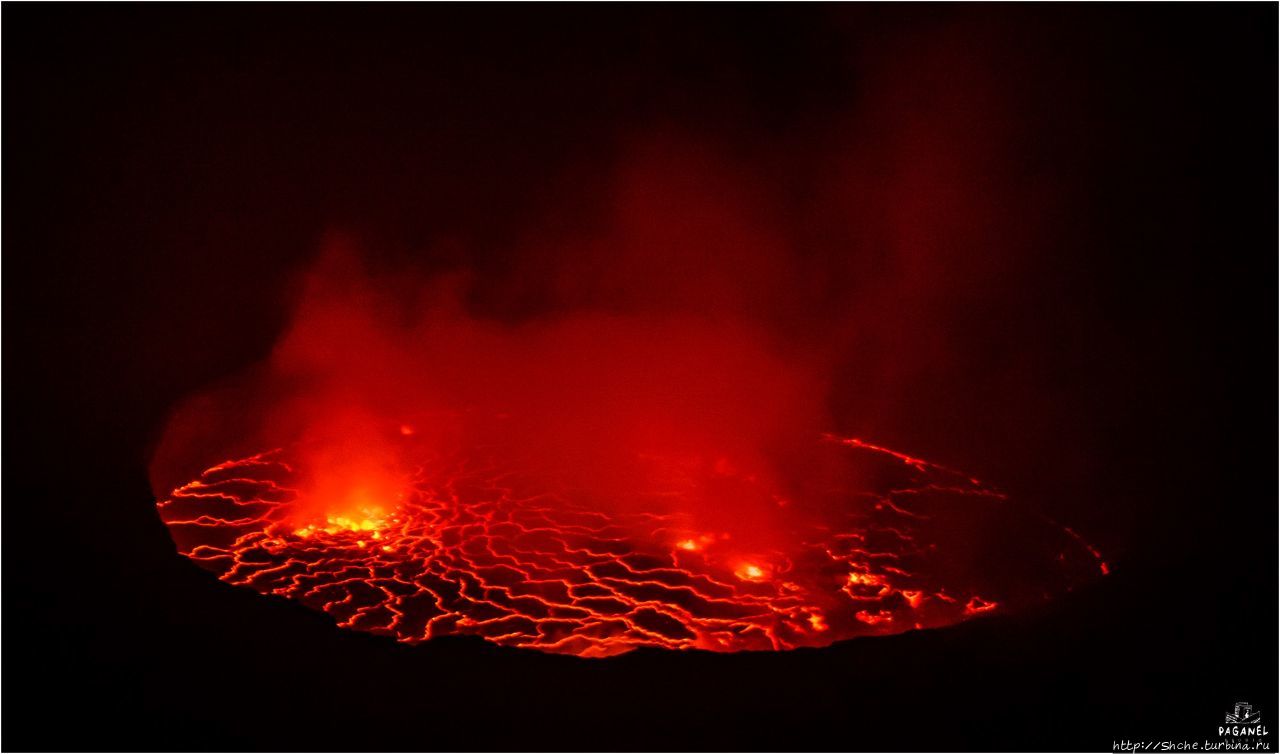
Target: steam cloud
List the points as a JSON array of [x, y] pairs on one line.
[[692, 308]]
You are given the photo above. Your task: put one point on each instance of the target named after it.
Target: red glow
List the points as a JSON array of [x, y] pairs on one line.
[[978, 605], [616, 443], [471, 549], [874, 618]]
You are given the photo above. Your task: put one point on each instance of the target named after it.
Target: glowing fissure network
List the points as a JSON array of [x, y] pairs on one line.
[[470, 547]]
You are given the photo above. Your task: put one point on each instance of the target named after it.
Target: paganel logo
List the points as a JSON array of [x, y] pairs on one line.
[[1244, 714], [1243, 720]]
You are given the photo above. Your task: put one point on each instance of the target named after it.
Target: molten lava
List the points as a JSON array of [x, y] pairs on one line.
[[474, 543]]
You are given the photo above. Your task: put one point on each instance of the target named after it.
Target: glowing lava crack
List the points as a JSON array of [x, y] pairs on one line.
[[475, 549]]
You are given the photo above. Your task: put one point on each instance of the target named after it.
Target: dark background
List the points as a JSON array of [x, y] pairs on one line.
[[168, 170]]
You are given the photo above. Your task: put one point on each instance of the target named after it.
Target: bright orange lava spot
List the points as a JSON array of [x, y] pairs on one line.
[[368, 522], [874, 618], [750, 572], [865, 579], [695, 544], [365, 520]]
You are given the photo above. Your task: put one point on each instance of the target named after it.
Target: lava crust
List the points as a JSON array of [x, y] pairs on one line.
[[471, 546]]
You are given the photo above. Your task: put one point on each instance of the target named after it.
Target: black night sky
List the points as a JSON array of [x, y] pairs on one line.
[[1095, 332]]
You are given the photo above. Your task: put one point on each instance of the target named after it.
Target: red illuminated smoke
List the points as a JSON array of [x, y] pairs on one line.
[[611, 436]]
